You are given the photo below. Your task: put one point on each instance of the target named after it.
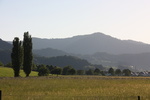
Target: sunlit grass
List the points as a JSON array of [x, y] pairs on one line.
[[75, 88], [8, 72]]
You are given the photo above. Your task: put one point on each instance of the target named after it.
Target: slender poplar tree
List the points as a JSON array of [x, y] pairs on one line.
[[17, 56], [27, 45]]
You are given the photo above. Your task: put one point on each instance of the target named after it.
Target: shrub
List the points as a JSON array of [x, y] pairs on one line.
[[43, 71]]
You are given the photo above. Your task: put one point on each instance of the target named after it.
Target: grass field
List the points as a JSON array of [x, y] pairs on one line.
[[8, 72], [75, 88]]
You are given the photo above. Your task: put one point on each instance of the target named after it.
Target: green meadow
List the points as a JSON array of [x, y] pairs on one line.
[[75, 88], [8, 72]]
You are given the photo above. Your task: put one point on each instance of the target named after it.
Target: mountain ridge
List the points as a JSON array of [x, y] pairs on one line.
[[92, 43]]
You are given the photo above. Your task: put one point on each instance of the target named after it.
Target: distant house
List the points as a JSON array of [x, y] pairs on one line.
[[144, 73], [134, 73]]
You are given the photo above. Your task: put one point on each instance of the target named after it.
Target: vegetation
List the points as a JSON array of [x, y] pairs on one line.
[[1, 64], [97, 71], [56, 70], [118, 72], [8, 72], [43, 71], [111, 71], [126, 72], [75, 88], [17, 56], [27, 45], [62, 61]]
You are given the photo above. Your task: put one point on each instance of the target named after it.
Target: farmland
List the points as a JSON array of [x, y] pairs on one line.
[[75, 88]]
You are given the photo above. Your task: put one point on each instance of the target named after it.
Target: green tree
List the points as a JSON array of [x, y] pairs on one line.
[[90, 72], [1, 64], [111, 71], [17, 56], [126, 72], [118, 72], [43, 71], [56, 70], [34, 67], [27, 45], [97, 71], [65, 70], [80, 72], [9, 65], [50, 67], [72, 71]]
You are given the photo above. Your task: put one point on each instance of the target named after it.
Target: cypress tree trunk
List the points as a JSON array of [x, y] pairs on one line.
[[27, 45], [16, 56]]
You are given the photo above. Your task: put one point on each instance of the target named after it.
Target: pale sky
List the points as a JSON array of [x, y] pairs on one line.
[[123, 19]]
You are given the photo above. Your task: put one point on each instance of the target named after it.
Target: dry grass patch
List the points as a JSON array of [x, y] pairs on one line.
[[75, 88]]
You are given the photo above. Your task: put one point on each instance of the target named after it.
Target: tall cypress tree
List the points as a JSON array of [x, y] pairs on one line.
[[27, 45], [17, 56]]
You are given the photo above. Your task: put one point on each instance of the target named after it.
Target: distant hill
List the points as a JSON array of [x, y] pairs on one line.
[[5, 56], [49, 52], [138, 61], [5, 45], [5, 51], [96, 48], [63, 61], [90, 44]]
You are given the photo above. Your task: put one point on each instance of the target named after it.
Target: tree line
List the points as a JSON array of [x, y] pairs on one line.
[[45, 70]]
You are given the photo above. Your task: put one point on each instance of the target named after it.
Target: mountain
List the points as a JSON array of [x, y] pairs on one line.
[[5, 45], [90, 44], [49, 52], [62, 61], [5, 56], [5, 51], [137, 61]]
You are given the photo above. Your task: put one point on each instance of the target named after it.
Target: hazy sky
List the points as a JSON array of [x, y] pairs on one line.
[[124, 19]]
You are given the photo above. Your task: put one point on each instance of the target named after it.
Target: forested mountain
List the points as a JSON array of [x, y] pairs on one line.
[[63, 61], [5, 45], [137, 61], [96, 48], [49, 52], [90, 44], [5, 56], [5, 51]]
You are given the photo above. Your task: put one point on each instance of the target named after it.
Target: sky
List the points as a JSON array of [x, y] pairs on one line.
[[123, 19]]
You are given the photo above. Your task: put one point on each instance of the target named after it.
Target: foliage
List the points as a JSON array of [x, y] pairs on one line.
[[118, 72], [17, 56], [89, 72], [1, 64], [56, 70], [71, 71], [97, 71], [62, 61], [34, 67], [80, 72], [43, 71], [65, 70], [9, 65], [126, 72], [50, 67], [111, 71], [27, 45]]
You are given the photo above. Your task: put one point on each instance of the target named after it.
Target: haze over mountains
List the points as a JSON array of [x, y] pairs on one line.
[[90, 44], [96, 48]]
